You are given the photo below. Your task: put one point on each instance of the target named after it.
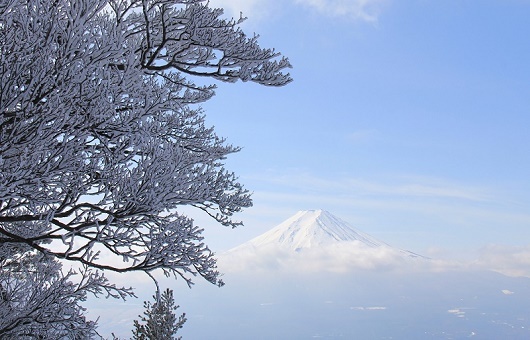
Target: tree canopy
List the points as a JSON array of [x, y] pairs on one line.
[[101, 140]]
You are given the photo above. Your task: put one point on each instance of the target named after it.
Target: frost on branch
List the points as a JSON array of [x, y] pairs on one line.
[[37, 300], [100, 140]]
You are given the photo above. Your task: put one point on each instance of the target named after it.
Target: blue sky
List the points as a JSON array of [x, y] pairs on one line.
[[408, 119]]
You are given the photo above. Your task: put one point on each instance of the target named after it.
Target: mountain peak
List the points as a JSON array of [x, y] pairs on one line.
[[312, 228]]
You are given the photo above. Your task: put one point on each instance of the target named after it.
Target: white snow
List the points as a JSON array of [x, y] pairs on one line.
[[315, 240], [315, 229], [312, 228]]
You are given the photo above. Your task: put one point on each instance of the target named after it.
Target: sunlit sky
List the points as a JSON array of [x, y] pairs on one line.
[[408, 119]]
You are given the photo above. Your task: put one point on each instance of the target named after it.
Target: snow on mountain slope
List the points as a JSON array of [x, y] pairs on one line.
[[315, 229], [312, 228]]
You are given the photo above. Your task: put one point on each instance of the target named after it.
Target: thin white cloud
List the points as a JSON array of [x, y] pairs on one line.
[[253, 9], [410, 186], [507, 260], [420, 187], [362, 136], [364, 10]]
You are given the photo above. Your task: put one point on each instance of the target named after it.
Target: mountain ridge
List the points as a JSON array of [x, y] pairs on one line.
[[313, 229]]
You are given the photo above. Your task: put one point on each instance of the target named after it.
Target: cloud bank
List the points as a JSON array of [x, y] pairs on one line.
[[346, 257], [341, 257]]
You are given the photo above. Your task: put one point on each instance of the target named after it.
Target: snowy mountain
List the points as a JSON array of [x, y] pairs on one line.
[[313, 229]]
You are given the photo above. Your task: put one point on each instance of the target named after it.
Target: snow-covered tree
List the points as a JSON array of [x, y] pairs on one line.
[[100, 140], [38, 301], [159, 321], [98, 143]]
